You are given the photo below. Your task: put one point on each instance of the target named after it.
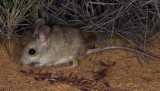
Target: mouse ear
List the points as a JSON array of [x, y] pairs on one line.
[[43, 33], [39, 23]]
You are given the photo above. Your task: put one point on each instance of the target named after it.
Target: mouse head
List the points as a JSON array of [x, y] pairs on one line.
[[38, 45]]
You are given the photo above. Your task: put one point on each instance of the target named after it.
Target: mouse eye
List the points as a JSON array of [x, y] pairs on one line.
[[32, 51]]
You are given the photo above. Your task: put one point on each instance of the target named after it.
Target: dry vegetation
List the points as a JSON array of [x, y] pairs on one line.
[[135, 21]]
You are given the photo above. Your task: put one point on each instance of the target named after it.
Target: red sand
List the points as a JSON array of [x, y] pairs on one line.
[[126, 74]]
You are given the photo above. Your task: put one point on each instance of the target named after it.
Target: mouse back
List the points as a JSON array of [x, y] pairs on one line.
[[67, 40]]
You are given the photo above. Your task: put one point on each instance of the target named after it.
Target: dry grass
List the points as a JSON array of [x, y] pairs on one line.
[[16, 18], [136, 21]]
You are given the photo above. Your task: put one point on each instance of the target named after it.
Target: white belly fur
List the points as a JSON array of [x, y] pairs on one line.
[[63, 60], [43, 60]]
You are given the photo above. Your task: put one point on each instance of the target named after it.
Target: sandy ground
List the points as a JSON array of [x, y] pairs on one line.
[[126, 75]]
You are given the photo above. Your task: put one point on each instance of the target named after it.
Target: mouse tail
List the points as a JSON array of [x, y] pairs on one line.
[[89, 51], [122, 47]]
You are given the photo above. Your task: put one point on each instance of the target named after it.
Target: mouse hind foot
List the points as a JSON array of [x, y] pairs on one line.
[[74, 65]]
